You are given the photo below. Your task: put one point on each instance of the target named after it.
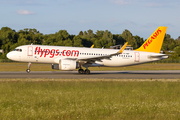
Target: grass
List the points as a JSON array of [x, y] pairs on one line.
[[47, 67], [89, 99]]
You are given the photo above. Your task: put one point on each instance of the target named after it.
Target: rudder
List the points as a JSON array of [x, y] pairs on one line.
[[154, 42]]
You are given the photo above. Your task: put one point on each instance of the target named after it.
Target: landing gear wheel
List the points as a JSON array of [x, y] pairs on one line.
[[28, 70], [87, 71], [81, 71]]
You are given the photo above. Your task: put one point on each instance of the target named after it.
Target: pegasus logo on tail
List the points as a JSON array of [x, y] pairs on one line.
[[150, 40], [154, 42]]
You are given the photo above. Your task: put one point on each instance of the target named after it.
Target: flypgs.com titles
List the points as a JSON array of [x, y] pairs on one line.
[[55, 52]]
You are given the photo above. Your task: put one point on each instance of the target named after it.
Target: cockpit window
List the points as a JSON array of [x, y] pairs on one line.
[[19, 50]]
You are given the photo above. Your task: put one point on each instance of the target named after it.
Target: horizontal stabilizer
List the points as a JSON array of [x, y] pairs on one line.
[[163, 56]]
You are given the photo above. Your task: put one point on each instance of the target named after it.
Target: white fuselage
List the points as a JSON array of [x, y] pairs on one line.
[[52, 54]]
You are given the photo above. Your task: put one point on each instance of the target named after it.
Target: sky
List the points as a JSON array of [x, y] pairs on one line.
[[140, 17]]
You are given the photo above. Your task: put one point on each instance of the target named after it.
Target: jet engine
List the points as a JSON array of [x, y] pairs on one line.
[[65, 65]]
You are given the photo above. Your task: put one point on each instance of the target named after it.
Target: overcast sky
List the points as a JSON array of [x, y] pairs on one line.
[[140, 17]]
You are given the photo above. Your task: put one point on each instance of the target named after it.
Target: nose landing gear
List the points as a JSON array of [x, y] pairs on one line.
[[28, 70]]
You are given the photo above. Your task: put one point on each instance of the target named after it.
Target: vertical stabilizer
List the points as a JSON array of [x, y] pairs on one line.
[[154, 42]]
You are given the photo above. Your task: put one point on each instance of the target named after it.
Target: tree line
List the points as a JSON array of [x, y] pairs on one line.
[[10, 39]]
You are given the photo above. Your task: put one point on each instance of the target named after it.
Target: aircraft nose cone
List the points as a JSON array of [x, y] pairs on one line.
[[13, 56], [9, 55]]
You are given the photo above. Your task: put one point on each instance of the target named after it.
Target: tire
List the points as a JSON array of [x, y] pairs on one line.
[[87, 71], [28, 70], [81, 71]]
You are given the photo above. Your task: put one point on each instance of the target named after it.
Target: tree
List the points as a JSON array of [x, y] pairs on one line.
[[139, 41], [30, 35], [81, 33], [127, 35], [108, 38], [168, 43], [49, 39], [88, 38], [99, 34], [68, 42], [90, 33], [98, 39], [119, 40], [60, 38], [62, 35], [77, 41], [176, 52], [8, 38], [0, 43]]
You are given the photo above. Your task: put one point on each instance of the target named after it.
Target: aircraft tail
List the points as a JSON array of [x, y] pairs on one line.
[[154, 42]]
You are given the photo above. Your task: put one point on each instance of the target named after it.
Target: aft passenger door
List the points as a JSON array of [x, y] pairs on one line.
[[137, 57]]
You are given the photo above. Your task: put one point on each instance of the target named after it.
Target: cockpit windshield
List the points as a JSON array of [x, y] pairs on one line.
[[19, 50]]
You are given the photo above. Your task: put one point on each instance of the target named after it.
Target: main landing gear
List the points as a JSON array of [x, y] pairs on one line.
[[28, 70], [81, 71]]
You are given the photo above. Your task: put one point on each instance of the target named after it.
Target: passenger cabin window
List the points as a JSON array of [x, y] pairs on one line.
[[19, 50]]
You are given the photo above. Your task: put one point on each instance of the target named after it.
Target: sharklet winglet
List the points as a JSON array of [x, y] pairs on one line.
[[123, 47]]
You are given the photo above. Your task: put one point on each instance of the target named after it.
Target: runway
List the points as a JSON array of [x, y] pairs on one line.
[[153, 74]]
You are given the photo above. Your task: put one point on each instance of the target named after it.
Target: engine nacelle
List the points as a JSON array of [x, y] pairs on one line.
[[66, 65]]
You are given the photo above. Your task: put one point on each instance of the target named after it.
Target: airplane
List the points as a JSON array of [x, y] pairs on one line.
[[72, 58]]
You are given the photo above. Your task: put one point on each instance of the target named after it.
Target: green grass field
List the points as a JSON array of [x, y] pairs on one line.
[[89, 99], [47, 67]]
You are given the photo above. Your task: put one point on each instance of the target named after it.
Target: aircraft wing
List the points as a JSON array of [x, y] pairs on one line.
[[99, 58]]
